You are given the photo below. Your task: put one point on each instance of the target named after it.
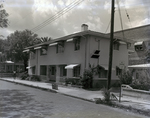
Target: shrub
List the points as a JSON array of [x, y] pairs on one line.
[[87, 79], [106, 94], [125, 77], [142, 83], [35, 78], [24, 75]]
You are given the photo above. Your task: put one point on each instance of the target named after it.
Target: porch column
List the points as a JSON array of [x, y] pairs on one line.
[[47, 73], [57, 74]]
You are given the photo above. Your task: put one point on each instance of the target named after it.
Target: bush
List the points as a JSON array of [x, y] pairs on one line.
[[24, 75], [35, 78], [106, 94], [87, 79], [72, 81], [125, 77]]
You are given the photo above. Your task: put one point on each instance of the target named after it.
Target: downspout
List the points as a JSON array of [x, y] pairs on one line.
[[85, 54]]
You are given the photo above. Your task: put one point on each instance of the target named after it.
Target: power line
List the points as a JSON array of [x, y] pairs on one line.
[[57, 15], [128, 16], [120, 19]]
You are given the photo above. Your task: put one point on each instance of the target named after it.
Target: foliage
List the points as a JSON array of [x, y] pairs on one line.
[[35, 78], [45, 39], [142, 83], [73, 81], [125, 77], [24, 75], [3, 17], [17, 41], [106, 99], [106, 94], [87, 79]]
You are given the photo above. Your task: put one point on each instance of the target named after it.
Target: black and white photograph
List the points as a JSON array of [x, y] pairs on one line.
[[74, 58]]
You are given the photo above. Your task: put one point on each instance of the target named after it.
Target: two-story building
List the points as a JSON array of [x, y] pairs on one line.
[[139, 56], [69, 56]]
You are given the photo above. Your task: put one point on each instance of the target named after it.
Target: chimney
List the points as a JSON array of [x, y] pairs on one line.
[[84, 27]]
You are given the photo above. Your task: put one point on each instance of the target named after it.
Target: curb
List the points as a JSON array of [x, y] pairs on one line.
[[38, 87], [78, 97], [48, 89]]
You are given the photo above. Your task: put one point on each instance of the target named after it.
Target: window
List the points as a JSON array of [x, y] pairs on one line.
[[32, 55], [63, 71], [43, 51], [77, 44], [116, 45], [76, 71], [102, 73], [43, 70], [53, 70], [60, 47], [139, 48], [33, 70], [118, 71]]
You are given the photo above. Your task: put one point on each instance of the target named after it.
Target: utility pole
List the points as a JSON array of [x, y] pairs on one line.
[[111, 45]]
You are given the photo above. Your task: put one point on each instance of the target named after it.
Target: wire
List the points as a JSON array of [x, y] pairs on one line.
[[120, 19], [57, 15], [128, 17], [108, 26]]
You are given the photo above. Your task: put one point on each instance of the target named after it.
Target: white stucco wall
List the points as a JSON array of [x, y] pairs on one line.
[[78, 57]]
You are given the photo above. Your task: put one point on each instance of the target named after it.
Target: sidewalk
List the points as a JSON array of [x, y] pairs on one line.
[[84, 94]]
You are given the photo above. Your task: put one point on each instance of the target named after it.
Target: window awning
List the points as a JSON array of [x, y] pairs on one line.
[[138, 43], [37, 47], [140, 66], [71, 66], [26, 50], [53, 44], [29, 67], [10, 62]]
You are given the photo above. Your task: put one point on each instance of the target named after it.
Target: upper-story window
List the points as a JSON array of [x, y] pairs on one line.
[[32, 54], [138, 46], [116, 45], [60, 47], [77, 44], [43, 50]]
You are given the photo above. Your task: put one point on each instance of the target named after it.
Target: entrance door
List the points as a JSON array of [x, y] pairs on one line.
[[52, 73]]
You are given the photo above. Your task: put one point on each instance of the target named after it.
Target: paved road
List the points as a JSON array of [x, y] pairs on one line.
[[17, 101]]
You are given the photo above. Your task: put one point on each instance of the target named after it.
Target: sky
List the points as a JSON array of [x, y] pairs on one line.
[[28, 14]]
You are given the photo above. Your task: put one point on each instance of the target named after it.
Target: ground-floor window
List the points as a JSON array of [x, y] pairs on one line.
[[118, 71], [76, 71], [63, 71], [102, 73], [33, 70], [43, 69]]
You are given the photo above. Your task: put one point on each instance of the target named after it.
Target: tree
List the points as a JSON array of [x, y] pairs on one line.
[[3, 17], [17, 42], [45, 39]]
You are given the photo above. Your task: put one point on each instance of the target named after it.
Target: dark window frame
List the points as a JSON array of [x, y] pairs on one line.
[[77, 44], [76, 71], [63, 71], [116, 45], [60, 47]]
